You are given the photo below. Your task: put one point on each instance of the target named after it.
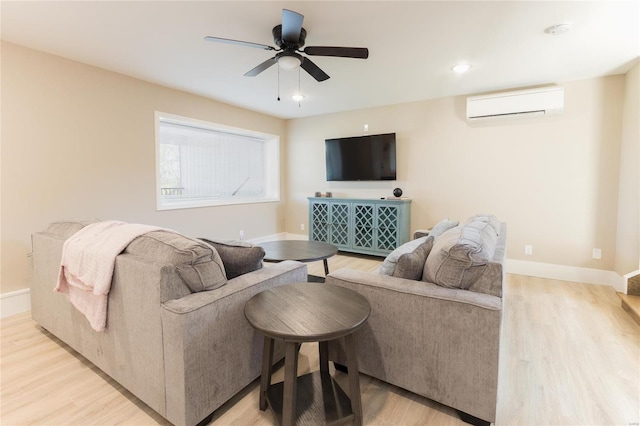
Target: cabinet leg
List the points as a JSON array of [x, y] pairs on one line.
[[290, 384]]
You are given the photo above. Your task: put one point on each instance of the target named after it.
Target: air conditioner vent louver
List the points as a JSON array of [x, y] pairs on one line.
[[516, 104]]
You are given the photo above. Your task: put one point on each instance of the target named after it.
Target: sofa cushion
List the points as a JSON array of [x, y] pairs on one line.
[[442, 226], [487, 218], [411, 265], [198, 264], [460, 255], [67, 228], [391, 261], [239, 257]]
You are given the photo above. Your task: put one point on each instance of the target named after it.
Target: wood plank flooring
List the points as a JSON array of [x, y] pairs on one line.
[[570, 356]]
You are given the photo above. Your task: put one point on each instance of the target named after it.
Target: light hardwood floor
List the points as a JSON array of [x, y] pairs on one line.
[[570, 356]]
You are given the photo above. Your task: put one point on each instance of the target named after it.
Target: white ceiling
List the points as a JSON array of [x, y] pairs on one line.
[[412, 46]]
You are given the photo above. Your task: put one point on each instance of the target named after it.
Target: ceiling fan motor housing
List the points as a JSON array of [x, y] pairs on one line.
[[282, 44]]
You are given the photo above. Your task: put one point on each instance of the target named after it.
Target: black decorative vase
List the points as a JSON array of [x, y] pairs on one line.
[[397, 192]]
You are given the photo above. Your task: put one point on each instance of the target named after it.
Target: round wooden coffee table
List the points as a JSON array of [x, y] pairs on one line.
[[300, 250], [306, 312]]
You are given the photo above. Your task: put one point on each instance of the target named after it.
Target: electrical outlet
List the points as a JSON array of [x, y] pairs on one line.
[[528, 249], [596, 253], [302, 226], [366, 127], [242, 234]]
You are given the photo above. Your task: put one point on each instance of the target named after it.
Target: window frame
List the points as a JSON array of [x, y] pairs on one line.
[[271, 159]]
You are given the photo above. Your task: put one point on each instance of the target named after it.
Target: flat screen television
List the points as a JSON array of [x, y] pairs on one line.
[[371, 157]]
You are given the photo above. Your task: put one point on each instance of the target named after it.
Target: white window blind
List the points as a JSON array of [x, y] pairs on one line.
[[203, 164]]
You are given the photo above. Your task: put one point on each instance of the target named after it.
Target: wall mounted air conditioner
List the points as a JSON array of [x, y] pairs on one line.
[[515, 104]]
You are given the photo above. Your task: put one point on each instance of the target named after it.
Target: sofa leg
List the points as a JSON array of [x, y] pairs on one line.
[[206, 420], [472, 420]]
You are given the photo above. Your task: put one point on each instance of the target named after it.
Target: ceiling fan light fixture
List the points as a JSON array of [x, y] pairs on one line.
[[289, 62], [297, 97], [461, 68]]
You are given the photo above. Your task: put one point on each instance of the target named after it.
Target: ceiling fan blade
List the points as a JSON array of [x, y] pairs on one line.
[[343, 52], [263, 66], [241, 43], [291, 25], [313, 70]]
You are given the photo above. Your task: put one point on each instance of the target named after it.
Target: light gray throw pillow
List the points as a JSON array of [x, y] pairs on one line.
[[486, 218], [459, 256], [391, 261], [411, 265], [442, 226]]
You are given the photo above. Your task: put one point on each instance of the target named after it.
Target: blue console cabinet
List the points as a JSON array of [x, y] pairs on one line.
[[368, 226]]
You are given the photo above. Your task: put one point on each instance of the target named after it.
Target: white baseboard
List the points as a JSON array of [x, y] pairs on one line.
[[15, 302], [291, 236], [273, 237], [280, 236], [566, 273]]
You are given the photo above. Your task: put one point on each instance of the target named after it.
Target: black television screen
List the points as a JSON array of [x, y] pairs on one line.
[[371, 157]]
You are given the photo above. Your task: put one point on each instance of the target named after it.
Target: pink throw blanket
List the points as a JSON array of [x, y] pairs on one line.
[[88, 260]]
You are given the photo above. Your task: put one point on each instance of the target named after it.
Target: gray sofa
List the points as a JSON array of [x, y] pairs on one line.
[[182, 351], [441, 341]]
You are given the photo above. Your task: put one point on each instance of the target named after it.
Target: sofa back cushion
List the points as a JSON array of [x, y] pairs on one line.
[[198, 264], [460, 255], [239, 257], [66, 228]]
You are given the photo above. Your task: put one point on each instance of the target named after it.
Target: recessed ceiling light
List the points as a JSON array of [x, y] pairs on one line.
[[297, 97], [558, 29], [461, 68]]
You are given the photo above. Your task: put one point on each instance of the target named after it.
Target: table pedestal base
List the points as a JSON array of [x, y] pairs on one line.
[[313, 398], [320, 400]]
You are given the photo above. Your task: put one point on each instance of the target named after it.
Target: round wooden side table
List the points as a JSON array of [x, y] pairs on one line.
[[300, 250], [307, 312]]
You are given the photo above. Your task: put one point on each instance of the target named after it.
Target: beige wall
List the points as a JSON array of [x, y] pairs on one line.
[[78, 142], [628, 233], [553, 179]]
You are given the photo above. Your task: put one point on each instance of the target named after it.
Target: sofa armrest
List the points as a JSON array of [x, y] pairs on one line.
[[385, 283], [279, 273], [210, 350]]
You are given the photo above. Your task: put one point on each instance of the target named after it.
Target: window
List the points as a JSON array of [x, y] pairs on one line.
[[206, 164]]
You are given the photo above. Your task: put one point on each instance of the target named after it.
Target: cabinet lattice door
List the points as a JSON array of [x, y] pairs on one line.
[[363, 226], [363, 216], [340, 213], [387, 238], [319, 220]]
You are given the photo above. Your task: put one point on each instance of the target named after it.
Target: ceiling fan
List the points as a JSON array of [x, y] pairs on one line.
[[290, 37]]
